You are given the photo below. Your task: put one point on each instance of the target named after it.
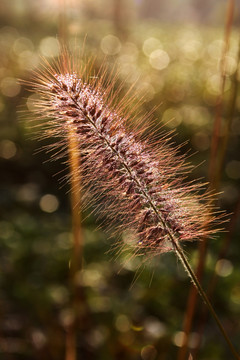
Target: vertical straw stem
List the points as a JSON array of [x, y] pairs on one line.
[[74, 159], [76, 258], [213, 180]]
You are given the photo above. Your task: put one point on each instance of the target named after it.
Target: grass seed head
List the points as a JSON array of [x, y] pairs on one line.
[[141, 185]]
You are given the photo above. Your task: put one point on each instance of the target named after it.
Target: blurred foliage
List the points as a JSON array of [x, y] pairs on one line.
[[132, 310]]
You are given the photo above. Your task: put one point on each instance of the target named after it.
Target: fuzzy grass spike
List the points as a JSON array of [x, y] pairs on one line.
[[143, 185]]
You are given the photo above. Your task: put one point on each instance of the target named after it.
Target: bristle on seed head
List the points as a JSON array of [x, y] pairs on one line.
[[142, 185]]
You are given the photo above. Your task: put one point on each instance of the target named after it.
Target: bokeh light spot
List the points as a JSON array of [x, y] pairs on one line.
[[22, 44], [122, 323], [67, 317], [49, 203], [59, 294], [130, 72], [49, 46], [64, 240], [230, 65], [32, 102], [196, 116], [150, 45], [7, 149], [172, 118], [91, 277], [28, 60], [148, 352], [224, 267], [214, 84], [154, 327], [192, 50], [178, 338], [147, 90], [28, 193], [38, 338], [130, 49], [97, 336], [215, 49], [10, 87], [110, 45], [159, 59]]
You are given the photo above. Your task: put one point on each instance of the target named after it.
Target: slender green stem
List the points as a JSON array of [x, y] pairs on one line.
[[202, 293]]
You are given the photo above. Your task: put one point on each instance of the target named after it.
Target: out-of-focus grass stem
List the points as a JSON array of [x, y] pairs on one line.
[[232, 106], [75, 186], [215, 143], [213, 182], [232, 224], [76, 258]]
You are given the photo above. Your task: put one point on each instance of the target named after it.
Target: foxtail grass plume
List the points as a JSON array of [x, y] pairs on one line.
[[143, 184]]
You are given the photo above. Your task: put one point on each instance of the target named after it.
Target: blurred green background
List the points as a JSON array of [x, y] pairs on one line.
[[131, 311]]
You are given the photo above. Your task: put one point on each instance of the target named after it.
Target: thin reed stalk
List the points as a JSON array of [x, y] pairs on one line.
[[227, 238], [75, 192], [230, 115], [213, 182], [76, 258]]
